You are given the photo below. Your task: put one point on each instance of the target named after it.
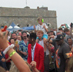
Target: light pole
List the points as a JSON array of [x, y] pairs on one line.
[[26, 2]]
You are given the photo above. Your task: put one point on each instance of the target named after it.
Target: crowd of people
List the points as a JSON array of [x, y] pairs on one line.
[[38, 51]]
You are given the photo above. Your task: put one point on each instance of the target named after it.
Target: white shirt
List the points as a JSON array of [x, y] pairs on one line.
[[32, 52], [40, 27], [55, 32], [42, 44]]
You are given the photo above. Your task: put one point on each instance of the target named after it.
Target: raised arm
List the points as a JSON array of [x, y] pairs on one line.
[[18, 61], [34, 28]]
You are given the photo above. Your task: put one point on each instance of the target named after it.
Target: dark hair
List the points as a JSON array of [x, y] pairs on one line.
[[68, 38], [53, 32], [66, 30], [13, 33], [48, 32], [33, 36], [10, 40], [60, 29], [24, 32], [39, 18], [28, 36]]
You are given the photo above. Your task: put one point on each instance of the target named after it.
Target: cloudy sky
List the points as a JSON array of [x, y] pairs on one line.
[[63, 7]]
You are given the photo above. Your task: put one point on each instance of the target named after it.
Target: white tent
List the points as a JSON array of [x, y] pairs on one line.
[[13, 27], [10, 27]]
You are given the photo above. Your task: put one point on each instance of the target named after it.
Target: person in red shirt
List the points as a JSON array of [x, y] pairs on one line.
[[35, 52]]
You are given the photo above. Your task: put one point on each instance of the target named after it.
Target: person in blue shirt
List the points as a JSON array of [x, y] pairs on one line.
[[23, 46]]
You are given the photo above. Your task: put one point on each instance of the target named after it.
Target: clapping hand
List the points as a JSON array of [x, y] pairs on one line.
[[33, 64]]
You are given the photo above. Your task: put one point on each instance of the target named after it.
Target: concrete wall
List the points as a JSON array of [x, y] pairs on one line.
[[24, 16]]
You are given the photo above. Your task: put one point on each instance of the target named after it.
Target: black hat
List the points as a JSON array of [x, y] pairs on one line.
[[33, 35], [59, 37]]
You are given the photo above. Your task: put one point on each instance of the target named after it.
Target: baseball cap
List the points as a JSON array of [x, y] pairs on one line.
[[59, 37]]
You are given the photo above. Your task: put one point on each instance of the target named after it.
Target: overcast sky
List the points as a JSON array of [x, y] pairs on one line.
[[63, 7]]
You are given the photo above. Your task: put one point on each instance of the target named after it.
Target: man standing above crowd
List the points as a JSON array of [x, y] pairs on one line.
[[23, 46], [62, 51], [35, 52]]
